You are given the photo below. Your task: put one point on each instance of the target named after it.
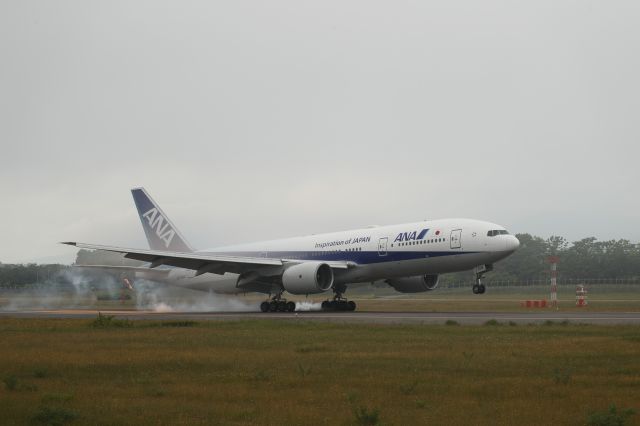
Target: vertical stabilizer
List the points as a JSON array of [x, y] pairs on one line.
[[161, 233]]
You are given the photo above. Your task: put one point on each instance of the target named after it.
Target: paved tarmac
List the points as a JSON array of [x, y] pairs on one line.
[[609, 318]]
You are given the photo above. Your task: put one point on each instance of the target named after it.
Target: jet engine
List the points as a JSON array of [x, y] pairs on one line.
[[414, 284], [308, 278]]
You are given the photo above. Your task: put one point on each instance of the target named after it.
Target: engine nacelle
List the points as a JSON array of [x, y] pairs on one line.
[[308, 278], [414, 284]]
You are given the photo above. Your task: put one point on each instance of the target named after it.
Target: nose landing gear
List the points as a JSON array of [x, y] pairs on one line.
[[478, 287]]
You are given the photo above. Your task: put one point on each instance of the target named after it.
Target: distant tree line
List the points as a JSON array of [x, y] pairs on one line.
[[31, 273], [587, 258]]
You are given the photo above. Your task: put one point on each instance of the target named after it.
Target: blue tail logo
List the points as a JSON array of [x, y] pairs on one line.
[[160, 225], [161, 233]]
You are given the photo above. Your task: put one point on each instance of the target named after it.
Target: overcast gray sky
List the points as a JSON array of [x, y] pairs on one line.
[[251, 120]]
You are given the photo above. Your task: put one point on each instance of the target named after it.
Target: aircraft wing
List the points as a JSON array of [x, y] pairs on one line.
[[205, 262]]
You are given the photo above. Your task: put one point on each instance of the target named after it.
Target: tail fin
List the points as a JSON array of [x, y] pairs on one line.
[[161, 233]]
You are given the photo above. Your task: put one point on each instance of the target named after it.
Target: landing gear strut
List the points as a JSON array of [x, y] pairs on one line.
[[478, 287], [277, 304], [339, 302]]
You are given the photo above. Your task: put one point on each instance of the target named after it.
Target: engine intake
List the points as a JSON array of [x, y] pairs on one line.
[[307, 278], [414, 284]]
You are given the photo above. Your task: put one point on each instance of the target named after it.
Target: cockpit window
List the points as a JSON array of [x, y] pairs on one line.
[[495, 232]]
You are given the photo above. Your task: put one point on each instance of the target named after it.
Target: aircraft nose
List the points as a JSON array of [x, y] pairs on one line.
[[512, 243]]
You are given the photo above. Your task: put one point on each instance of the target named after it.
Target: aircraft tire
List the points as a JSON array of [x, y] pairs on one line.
[[282, 306], [291, 306], [352, 305], [476, 289], [329, 305], [482, 289], [264, 306]]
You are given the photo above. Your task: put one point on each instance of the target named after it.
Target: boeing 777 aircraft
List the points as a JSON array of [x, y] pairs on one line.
[[408, 257]]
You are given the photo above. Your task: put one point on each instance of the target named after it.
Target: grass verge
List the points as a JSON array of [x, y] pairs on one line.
[[270, 372]]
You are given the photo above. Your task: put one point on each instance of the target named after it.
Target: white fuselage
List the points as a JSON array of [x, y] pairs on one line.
[[420, 248]]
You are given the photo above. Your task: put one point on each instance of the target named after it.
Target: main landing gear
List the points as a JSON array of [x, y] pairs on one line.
[[277, 304], [478, 287], [339, 302]]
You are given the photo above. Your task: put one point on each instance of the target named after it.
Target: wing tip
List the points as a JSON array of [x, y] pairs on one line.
[[69, 243]]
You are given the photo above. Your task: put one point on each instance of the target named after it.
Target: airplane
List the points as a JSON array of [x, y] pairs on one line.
[[409, 257]]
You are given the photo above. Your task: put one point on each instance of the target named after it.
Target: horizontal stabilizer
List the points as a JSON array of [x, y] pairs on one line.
[[144, 272]]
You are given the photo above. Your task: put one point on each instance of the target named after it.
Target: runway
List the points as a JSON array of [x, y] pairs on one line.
[[467, 318]]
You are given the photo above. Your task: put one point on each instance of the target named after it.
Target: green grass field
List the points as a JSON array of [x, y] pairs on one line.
[[270, 372]]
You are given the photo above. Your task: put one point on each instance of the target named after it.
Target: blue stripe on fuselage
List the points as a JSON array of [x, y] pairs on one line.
[[359, 257]]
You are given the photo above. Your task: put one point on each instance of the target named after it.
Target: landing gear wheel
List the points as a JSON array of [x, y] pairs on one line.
[[481, 289], [476, 289], [343, 305], [277, 304]]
